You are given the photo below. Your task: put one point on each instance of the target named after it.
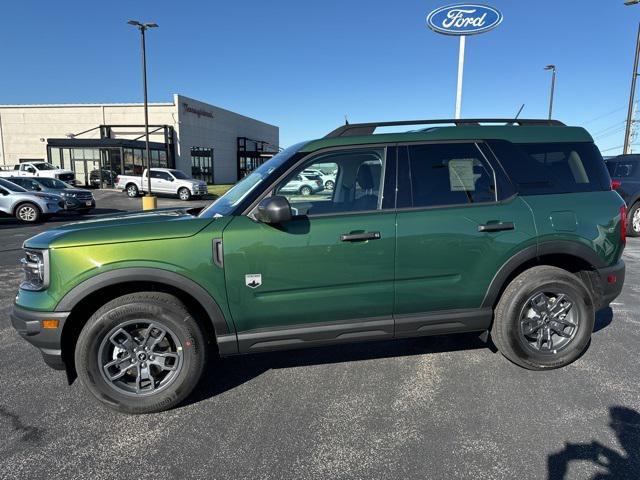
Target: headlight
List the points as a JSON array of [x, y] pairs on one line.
[[35, 265], [67, 194]]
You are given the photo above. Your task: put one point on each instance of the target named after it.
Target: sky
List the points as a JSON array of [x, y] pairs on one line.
[[305, 65]]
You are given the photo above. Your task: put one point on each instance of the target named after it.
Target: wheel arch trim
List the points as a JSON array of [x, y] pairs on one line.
[[155, 275], [552, 247]]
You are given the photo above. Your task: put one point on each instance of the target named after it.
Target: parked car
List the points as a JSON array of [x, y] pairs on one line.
[[507, 228], [26, 206], [40, 169], [625, 175], [328, 179], [108, 178], [303, 185], [163, 180], [75, 199]]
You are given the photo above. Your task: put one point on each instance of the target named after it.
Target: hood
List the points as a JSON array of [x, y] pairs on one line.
[[126, 227]]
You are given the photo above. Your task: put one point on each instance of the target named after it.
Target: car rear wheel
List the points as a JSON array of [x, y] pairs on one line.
[[184, 194], [633, 229], [329, 185], [141, 353], [305, 190], [28, 212], [132, 190], [544, 319]]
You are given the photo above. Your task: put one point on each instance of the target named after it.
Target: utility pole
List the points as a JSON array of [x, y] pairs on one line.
[[627, 132], [553, 87], [150, 203]]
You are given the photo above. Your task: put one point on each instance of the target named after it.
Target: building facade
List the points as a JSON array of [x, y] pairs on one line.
[[100, 141]]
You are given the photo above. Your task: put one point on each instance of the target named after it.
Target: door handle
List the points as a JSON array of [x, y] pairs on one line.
[[496, 227], [358, 237], [218, 255]]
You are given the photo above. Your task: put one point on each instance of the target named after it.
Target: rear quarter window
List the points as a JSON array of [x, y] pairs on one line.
[[548, 168], [624, 168]]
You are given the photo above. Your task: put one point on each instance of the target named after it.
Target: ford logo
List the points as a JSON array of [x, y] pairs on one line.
[[464, 19]]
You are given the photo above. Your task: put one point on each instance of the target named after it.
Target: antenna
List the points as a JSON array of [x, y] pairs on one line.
[[519, 112], [346, 120]]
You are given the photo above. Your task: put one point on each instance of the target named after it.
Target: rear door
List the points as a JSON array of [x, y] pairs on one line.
[[458, 222], [325, 276]]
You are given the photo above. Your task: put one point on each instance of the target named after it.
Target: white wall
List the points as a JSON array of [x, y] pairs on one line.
[[24, 129], [219, 133]]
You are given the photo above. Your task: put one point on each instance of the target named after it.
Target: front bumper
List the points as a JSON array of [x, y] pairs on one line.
[[71, 203], [28, 324], [611, 281], [200, 190]]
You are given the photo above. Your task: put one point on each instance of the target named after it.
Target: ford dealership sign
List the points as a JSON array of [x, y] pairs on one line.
[[464, 19]]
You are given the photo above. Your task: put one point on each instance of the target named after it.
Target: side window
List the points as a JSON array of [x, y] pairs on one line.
[[155, 174], [444, 174], [626, 169], [337, 182], [548, 168]]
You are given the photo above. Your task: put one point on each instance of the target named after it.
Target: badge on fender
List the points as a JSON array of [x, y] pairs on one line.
[[253, 280]]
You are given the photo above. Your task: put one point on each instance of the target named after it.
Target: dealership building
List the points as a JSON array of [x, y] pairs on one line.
[[100, 141]]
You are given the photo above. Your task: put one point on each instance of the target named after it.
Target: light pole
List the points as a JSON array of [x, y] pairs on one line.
[[149, 202], [553, 87], [634, 76]]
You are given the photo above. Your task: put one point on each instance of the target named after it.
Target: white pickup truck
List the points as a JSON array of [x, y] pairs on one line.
[[40, 169], [163, 180]]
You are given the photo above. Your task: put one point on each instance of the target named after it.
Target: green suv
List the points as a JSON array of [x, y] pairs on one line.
[[508, 228]]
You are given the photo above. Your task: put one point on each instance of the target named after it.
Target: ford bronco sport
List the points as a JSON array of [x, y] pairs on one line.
[[505, 227]]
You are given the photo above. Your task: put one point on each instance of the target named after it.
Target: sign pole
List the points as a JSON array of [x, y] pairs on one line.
[[460, 74]]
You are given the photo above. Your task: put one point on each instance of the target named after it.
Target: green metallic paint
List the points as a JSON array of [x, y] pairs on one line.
[[189, 255], [524, 134], [308, 274], [443, 262], [596, 226]]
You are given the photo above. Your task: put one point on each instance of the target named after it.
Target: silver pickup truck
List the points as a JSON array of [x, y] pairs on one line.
[[165, 181]]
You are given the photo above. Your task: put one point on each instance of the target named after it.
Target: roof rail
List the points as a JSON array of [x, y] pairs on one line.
[[354, 129]]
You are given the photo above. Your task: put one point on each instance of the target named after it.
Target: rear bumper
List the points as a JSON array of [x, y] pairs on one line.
[[28, 323], [611, 280]]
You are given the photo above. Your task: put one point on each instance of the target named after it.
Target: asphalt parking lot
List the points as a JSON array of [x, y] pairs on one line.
[[437, 407]]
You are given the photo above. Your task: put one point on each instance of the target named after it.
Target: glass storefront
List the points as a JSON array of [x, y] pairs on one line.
[[202, 164]]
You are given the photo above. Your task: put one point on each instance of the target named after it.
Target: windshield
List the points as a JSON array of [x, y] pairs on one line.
[[44, 166], [227, 202], [11, 186], [179, 175], [53, 183]]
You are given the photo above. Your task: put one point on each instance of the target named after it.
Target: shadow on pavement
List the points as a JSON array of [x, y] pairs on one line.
[[625, 422], [603, 319], [228, 373]]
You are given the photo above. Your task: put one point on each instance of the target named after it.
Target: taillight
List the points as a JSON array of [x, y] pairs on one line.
[[615, 184], [623, 224], [319, 183], [118, 179]]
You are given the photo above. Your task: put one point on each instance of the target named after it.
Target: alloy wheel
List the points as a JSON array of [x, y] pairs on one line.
[[635, 221], [184, 194], [548, 322], [140, 357], [132, 191], [27, 213]]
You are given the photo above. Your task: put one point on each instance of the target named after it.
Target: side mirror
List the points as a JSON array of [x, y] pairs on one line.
[[274, 210]]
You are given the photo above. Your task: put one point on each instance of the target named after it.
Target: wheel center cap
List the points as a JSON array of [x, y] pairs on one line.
[[142, 357]]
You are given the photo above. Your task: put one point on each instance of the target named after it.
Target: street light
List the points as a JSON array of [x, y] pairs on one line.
[[553, 86], [149, 202], [627, 131]]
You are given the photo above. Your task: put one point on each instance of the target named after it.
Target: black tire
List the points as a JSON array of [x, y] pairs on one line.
[[633, 231], [329, 185], [132, 190], [28, 212], [94, 350], [507, 331], [305, 190], [184, 194]]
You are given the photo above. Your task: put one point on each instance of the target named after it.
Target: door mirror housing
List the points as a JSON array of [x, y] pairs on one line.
[[274, 210]]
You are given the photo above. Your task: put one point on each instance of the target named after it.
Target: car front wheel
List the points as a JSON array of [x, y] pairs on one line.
[[305, 191], [141, 353], [28, 213], [184, 194], [544, 319]]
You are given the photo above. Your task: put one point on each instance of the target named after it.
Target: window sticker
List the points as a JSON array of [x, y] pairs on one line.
[[461, 176]]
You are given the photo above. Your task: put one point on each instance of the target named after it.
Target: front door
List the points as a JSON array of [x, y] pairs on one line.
[[325, 276], [458, 223]]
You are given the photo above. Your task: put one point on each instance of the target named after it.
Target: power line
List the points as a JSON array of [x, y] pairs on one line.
[[604, 115], [615, 125]]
